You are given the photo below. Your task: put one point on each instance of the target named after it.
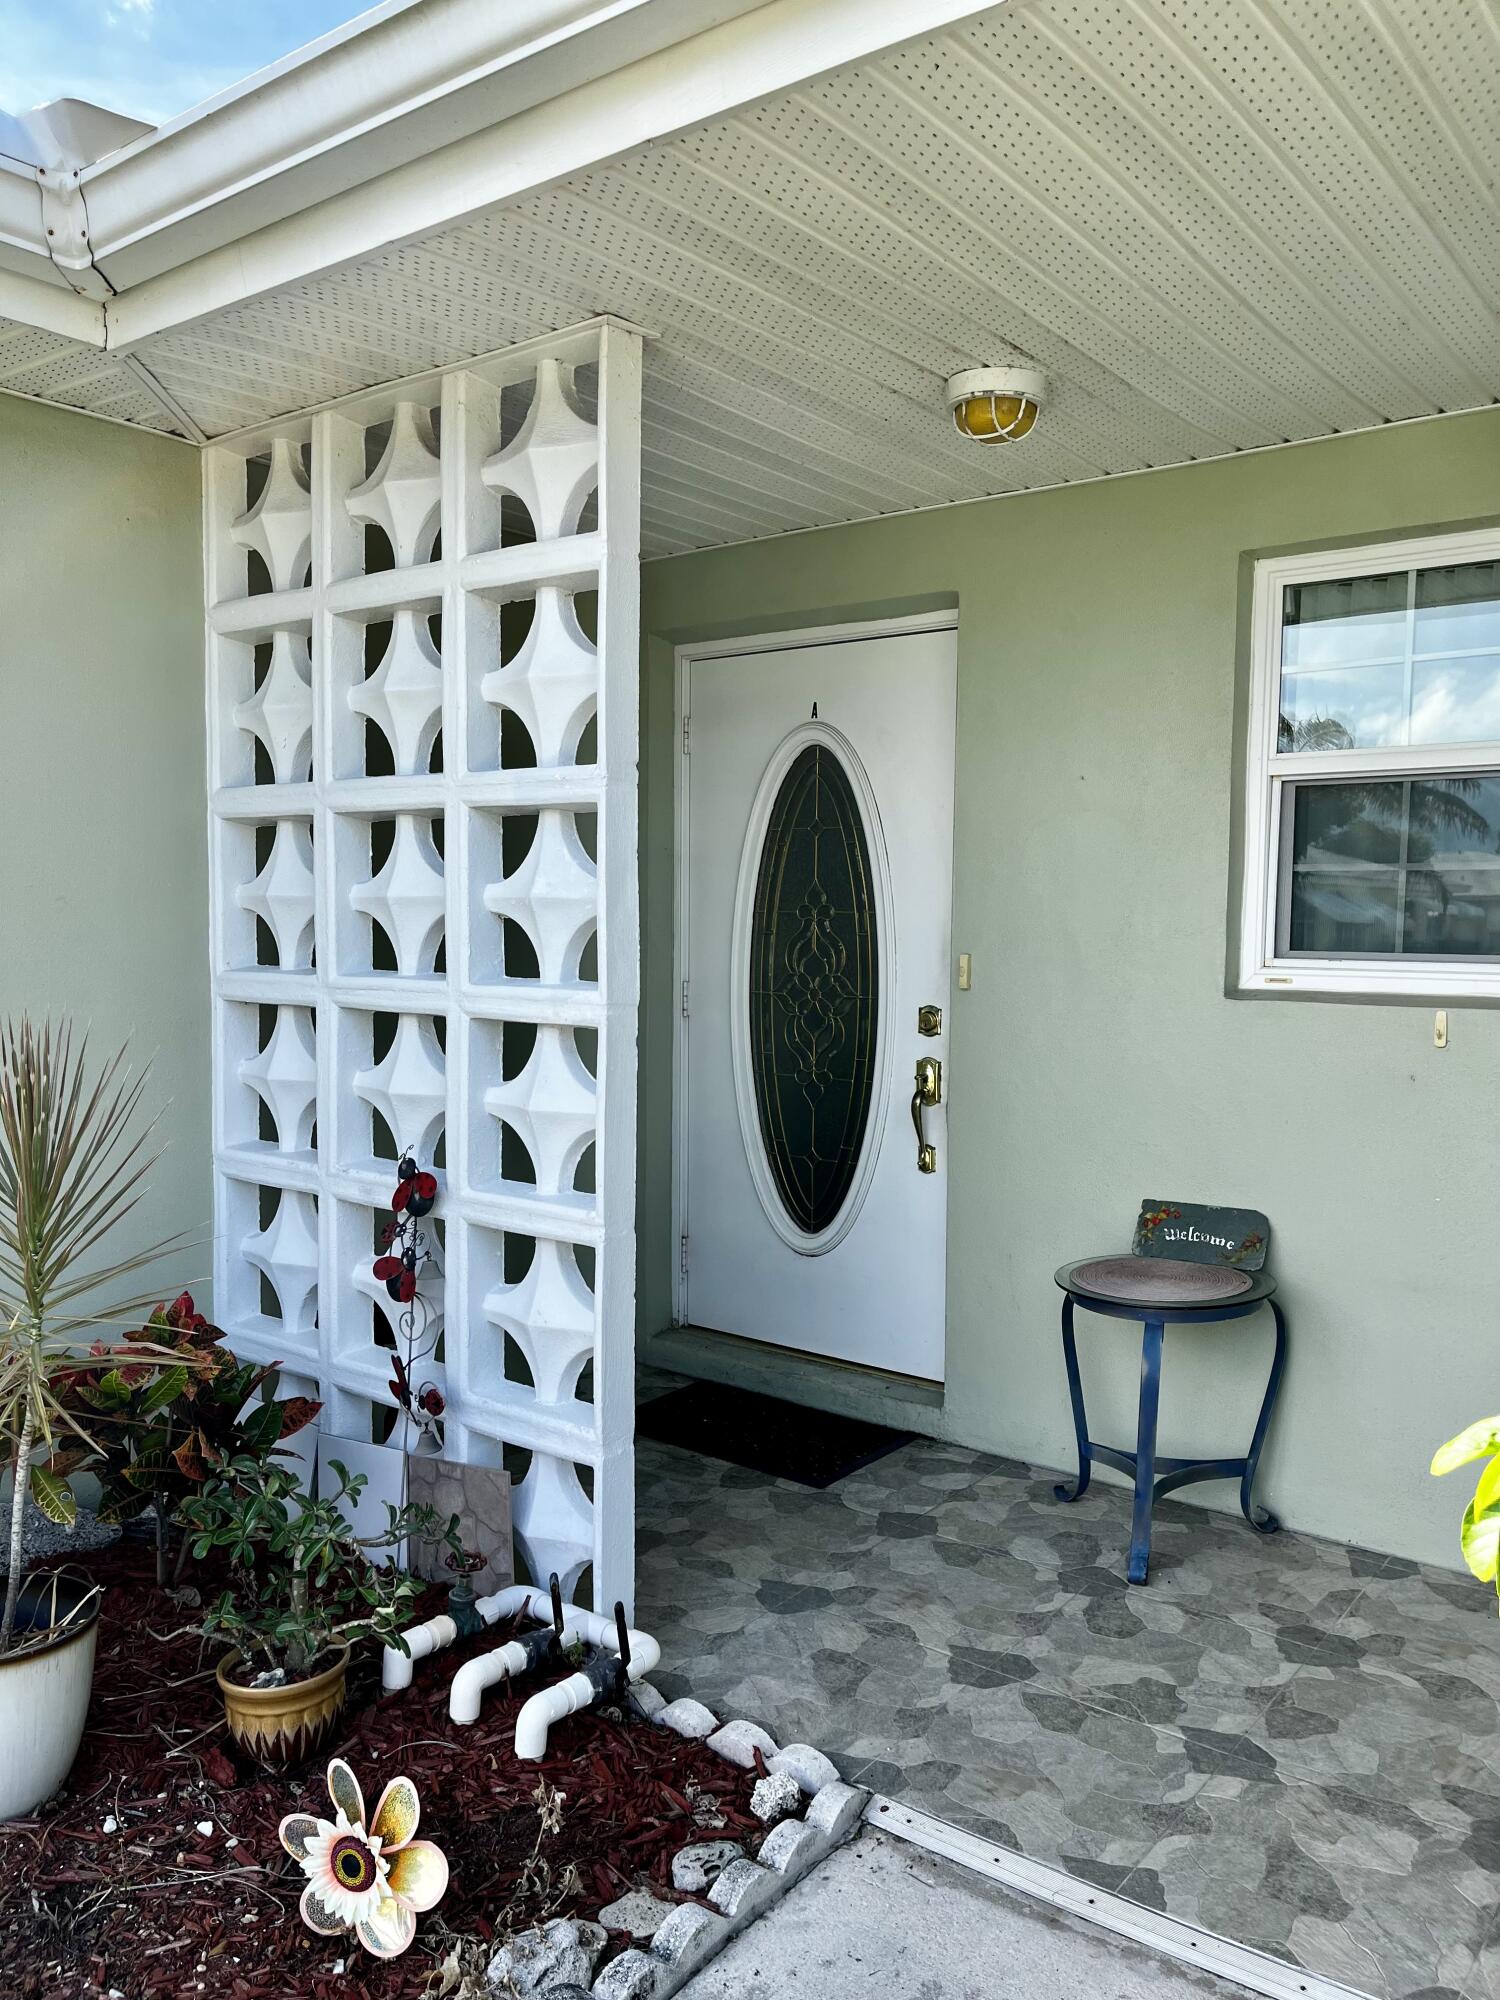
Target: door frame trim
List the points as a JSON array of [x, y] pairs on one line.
[[685, 657]]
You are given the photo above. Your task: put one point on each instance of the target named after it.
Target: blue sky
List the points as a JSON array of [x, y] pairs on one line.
[[150, 58]]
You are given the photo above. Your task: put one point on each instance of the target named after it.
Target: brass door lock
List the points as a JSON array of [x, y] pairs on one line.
[[929, 1090], [929, 1020]]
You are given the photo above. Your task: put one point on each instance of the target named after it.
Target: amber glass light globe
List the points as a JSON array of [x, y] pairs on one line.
[[995, 405], [992, 419]]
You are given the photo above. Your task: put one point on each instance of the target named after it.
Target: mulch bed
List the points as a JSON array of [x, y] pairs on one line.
[[158, 1909]]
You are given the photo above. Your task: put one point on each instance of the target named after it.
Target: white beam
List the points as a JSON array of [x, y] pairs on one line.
[[53, 308], [387, 88], [728, 66]]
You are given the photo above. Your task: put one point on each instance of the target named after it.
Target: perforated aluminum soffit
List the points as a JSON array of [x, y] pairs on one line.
[[1217, 225]]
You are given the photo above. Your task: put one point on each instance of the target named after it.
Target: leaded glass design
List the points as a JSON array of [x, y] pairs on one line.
[[814, 989]]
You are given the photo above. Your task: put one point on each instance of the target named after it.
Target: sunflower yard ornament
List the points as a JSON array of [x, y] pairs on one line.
[[373, 1880]]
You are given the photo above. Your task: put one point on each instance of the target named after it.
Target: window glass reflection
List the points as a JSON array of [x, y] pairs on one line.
[[1403, 658], [1396, 866]]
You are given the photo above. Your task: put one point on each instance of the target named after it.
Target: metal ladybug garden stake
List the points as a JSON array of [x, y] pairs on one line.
[[399, 1267]]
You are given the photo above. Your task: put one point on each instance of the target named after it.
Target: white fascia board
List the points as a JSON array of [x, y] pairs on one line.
[[732, 64], [54, 307], [23, 235], [401, 83]]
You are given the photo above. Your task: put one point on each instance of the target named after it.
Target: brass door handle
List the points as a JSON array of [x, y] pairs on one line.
[[929, 1090]]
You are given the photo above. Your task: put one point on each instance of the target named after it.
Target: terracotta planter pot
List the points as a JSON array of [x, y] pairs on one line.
[[282, 1725], [44, 1692]]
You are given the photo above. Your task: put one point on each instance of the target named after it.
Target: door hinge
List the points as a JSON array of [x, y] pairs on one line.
[[684, 999], [684, 1264], [686, 732]]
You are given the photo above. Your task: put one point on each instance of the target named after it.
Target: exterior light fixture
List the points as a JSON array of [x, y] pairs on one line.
[[996, 405]]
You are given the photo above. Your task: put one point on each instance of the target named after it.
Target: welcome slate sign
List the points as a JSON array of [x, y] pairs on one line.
[[1199, 1235]]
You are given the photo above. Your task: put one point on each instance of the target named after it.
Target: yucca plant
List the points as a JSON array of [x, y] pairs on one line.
[[1479, 1536], [75, 1147]]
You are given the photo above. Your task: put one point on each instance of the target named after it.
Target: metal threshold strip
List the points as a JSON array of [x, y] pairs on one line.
[[1255, 1971]]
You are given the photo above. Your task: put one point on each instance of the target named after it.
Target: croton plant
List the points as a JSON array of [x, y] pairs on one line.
[[159, 1432]]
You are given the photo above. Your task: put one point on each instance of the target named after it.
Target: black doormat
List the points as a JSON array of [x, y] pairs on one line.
[[783, 1440]]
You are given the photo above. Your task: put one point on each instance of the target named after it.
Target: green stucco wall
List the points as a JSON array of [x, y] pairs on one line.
[[102, 806], [1099, 1057]]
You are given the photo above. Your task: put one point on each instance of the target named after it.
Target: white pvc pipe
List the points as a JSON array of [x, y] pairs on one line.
[[547, 1706], [424, 1640], [551, 1704], [475, 1675]]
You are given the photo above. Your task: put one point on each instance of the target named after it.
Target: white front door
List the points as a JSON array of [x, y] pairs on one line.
[[814, 940]]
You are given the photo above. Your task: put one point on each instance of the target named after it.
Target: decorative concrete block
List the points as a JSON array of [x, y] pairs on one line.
[[634, 1975], [775, 1798], [638, 1912], [695, 1868], [312, 1059], [689, 1718], [791, 1849], [737, 1742], [836, 1810], [557, 1954], [688, 1940], [809, 1767], [743, 1891], [647, 1701]]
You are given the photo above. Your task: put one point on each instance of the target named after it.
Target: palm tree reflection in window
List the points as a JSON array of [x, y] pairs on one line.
[[1391, 865]]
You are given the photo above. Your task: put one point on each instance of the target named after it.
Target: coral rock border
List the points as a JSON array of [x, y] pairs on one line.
[[746, 1889]]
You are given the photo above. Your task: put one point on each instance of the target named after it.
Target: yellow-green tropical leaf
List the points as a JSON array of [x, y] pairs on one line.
[[1478, 1441], [1487, 1492], [54, 1496], [1480, 1539]]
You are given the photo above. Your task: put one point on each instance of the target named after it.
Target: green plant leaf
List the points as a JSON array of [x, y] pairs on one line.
[[108, 1395], [54, 1496], [262, 1427], [1480, 1540], [1480, 1440], [1487, 1492], [167, 1385], [149, 1472]]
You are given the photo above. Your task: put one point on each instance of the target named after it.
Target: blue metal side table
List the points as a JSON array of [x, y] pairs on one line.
[[1154, 1477]]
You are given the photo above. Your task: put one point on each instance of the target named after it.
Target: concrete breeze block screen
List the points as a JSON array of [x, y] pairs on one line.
[[423, 609]]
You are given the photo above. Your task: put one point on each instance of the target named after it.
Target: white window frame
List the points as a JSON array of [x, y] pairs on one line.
[[1268, 772]]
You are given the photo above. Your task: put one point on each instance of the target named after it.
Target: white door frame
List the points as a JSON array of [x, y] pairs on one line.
[[685, 657]]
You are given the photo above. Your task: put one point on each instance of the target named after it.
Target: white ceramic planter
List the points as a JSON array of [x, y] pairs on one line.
[[44, 1699]]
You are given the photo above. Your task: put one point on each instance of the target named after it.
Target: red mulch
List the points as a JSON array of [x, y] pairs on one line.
[[158, 1909]]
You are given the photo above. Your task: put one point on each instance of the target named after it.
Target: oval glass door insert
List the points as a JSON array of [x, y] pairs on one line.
[[814, 989]]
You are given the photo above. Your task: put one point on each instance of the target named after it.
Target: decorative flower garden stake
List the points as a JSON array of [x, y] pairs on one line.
[[372, 1880]]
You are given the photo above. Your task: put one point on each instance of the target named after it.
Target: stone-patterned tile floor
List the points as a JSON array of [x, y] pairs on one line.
[[1290, 1742]]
